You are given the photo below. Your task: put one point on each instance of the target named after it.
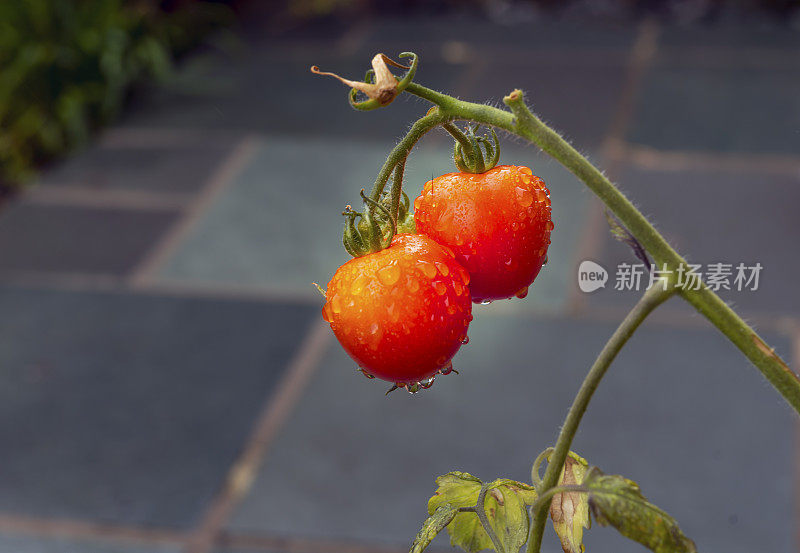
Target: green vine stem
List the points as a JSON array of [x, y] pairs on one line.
[[480, 510], [522, 122], [651, 299], [399, 154]]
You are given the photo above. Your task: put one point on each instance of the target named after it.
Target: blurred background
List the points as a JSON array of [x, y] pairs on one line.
[[171, 179]]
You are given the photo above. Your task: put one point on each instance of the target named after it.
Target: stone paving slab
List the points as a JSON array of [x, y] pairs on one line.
[[25, 544], [729, 109], [556, 91], [521, 31], [719, 216], [70, 239], [273, 91], [353, 464], [154, 167], [131, 409], [278, 225]]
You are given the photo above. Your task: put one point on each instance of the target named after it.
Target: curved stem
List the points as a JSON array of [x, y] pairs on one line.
[[522, 122], [397, 191], [654, 297], [400, 152], [536, 479], [480, 510]]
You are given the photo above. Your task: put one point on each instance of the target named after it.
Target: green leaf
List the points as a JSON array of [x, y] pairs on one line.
[[434, 524], [570, 510], [505, 504], [618, 502]]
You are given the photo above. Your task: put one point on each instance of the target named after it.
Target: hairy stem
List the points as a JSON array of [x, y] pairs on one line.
[[522, 122], [654, 297], [400, 152], [480, 510], [397, 190]]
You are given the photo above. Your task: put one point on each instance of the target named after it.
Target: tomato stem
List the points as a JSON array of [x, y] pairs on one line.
[[480, 510], [655, 296]]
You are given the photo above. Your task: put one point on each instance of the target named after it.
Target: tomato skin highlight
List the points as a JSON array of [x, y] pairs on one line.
[[401, 313], [497, 223]]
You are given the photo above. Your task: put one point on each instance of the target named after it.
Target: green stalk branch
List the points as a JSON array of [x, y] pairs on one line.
[[400, 152], [654, 297], [522, 122], [480, 510]]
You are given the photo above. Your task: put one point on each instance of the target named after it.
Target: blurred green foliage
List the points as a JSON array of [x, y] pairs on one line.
[[67, 66]]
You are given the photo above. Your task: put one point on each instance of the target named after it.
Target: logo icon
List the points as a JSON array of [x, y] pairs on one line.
[[591, 276]]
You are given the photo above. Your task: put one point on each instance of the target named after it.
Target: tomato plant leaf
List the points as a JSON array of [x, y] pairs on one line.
[[570, 510], [434, 524], [505, 504], [618, 502]]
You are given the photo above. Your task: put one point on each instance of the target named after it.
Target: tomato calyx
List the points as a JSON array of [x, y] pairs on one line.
[[373, 229], [467, 153], [380, 86]]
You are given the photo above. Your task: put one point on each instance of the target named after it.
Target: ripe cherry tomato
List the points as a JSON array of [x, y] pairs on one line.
[[401, 313], [498, 224]]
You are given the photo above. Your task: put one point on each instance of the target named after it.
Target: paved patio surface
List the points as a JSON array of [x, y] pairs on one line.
[[168, 384]]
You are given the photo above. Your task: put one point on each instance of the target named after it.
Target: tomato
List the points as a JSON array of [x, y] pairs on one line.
[[401, 313], [498, 224]]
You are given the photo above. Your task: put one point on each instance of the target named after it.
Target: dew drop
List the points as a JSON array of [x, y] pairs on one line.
[[440, 288], [427, 269], [452, 309], [550, 225], [524, 196], [444, 270], [412, 388], [458, 288], [336, 304], [358, 285], [465, 277], [417, 203], [446, 369], [326, 313], [522, 292], [486, 302], [389, 275], [412, 284], [465, 339], [427, 382], [525, 170]]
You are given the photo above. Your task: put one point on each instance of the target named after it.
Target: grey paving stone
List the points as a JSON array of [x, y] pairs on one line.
[[131, 408], [20, 544], [153, 168], [681, 412], [720, 217], [521, 31], [50, 238], [279, 224], [733, 108], [270, 91], [557, 93]]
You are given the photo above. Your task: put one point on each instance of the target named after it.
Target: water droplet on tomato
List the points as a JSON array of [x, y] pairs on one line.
[[412, 284], [465, 339], [522, 292], [440, 288], [524, 196], [486, 302], [427, 269], [525, 170], [326, 313], [427, 382], [444, 270], [550, 225], [357, 285], [389, 275]]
